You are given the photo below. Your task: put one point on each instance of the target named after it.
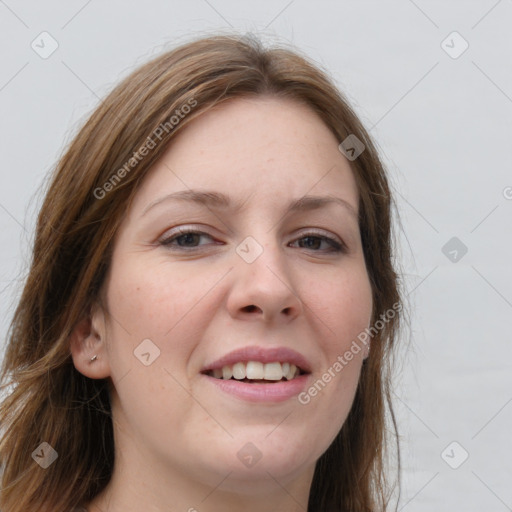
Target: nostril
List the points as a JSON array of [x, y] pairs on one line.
[[250, 309]]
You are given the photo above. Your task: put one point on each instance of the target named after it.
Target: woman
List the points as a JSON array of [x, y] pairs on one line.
[[211, 304]]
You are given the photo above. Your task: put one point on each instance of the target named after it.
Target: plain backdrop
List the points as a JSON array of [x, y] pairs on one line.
[[432, 81]]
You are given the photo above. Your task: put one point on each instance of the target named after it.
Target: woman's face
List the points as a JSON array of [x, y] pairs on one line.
[[257, 278]]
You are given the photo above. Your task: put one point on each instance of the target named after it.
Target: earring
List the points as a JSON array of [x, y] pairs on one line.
[[93, 358]]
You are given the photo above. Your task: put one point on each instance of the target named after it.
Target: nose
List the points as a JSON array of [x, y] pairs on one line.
[[264, 289]]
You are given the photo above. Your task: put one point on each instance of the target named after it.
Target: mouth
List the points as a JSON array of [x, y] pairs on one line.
[[259, 373], [256, 372]]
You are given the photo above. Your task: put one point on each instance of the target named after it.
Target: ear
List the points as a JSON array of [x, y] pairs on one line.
[[88, 344], [366, 351]]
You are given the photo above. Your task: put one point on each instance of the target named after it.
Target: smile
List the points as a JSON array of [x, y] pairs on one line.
[[256, 371]]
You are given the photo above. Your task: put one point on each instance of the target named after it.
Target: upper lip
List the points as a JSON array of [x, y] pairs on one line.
[[263, 355]]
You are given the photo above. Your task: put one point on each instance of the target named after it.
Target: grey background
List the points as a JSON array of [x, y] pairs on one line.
[[443, 125]]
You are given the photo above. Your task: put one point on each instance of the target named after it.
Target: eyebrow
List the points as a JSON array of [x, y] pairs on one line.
[[218, 200]]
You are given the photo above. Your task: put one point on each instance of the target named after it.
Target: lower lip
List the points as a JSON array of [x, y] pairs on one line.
[[272, 392]]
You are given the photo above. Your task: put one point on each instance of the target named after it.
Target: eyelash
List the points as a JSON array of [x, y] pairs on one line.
[[336, 247]]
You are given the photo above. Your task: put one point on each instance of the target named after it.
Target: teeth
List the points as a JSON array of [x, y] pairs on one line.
[[273, 371], [239, 371], [256, 370], [227, 372], [292, 372]]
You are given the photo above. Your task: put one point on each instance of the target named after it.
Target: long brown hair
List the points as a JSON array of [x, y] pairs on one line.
[[49, 400]]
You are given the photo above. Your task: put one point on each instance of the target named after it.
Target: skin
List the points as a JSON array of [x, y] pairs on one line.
[[177, 436]]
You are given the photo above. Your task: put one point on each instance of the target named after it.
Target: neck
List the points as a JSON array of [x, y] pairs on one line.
[[140, 482], [180, 494]]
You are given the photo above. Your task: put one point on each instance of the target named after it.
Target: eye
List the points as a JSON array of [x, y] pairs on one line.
[[185, 239], [314, 240]]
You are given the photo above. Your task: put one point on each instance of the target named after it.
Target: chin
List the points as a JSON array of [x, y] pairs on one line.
[[255, 466], [261, 478]]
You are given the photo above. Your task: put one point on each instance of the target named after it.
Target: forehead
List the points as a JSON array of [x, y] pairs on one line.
[[272, 148]]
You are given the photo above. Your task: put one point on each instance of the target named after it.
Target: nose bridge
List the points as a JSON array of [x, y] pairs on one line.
[[260, 255], [263, 277]]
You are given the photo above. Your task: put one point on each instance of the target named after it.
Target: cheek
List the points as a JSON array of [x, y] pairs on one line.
[[150, 336], [160, 302], [343, 308], [343, 305], [152, 299]]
